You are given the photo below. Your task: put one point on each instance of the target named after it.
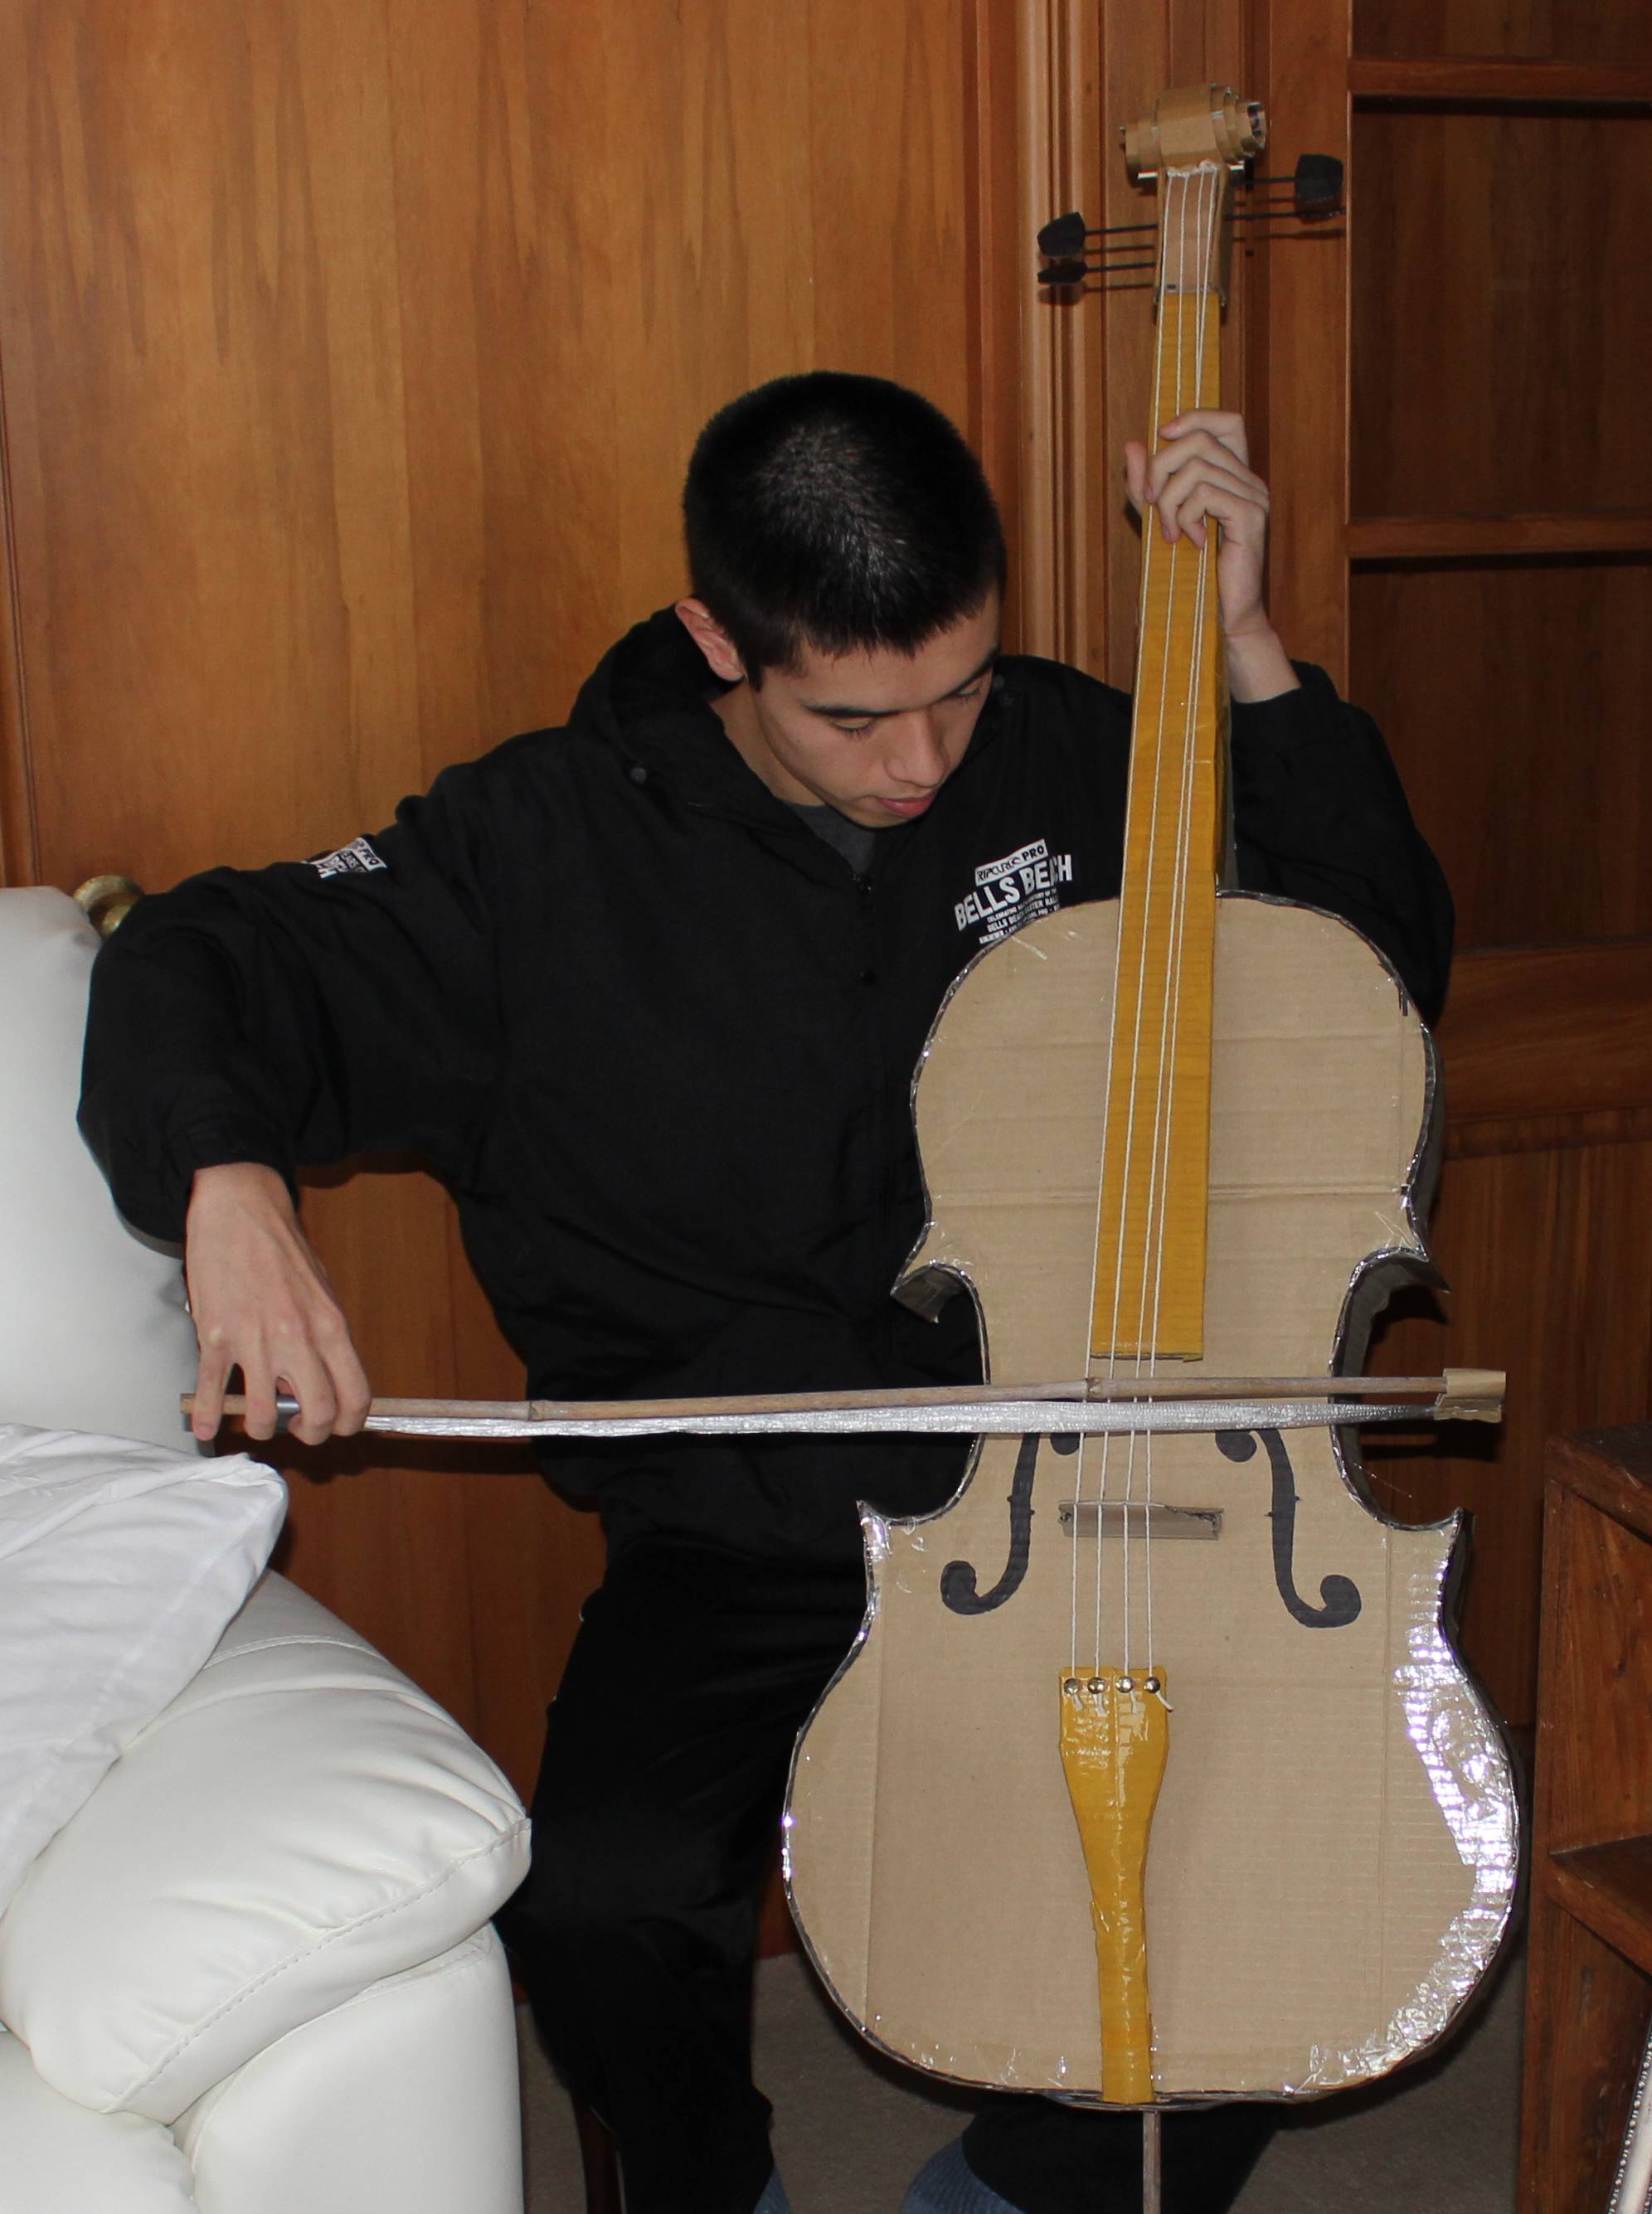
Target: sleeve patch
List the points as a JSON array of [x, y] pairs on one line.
[[353, 860]]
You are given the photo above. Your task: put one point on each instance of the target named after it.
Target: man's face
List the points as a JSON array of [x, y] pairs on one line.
[[874, 734]]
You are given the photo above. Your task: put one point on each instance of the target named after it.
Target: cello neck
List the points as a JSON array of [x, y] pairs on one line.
[[1150, 1257]]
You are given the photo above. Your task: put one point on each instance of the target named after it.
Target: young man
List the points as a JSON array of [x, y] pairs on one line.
[[649, 991]]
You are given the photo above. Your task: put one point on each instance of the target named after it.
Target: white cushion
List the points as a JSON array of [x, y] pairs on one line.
[[403, 2101], [93, 1331], [58, 2159], [300, 1822], [119, 1565]]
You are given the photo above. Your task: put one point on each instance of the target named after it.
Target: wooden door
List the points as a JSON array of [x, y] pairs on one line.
[[350, 360]]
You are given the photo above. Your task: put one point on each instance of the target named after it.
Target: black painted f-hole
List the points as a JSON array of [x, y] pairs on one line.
[[959, 1585], [1340, 1595]]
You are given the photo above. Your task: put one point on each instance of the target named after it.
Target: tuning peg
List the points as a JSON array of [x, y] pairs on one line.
[[1062, 238], [1067, 235], [1313, 187], [1071, 277], [1317, 182]]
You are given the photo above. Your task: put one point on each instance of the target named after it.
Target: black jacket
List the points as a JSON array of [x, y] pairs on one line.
[[659, 1039]]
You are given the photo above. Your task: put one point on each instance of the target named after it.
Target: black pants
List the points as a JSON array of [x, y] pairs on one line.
[[655, 1817]]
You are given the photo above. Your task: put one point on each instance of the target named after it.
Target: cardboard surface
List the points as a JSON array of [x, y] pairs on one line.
[[1331, 1861]]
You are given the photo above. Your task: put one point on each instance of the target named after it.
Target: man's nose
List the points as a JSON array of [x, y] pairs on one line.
[[915, 754]]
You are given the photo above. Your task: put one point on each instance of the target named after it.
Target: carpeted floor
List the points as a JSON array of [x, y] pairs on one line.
[[851, 2130]]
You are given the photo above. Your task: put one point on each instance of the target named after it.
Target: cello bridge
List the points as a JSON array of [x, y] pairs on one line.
[[1089, 1517]]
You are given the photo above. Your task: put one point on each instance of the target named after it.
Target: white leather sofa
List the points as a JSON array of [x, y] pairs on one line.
[[254, 1974]]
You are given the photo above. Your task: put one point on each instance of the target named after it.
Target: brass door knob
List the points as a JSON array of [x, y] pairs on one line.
[[106, 901]]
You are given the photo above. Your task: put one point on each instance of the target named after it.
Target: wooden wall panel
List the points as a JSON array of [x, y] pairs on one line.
[[361, 387], [1613, 31], [1302, 344], [19, 860], [188, 477], [351, 358], [1513, 696], [1064, 591], [1556, 1035], [1509, 248], [997, 262]]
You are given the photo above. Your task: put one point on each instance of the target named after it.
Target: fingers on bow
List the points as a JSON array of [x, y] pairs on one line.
[[320, 1370]]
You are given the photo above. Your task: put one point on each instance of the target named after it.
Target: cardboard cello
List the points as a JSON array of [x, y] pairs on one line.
[[1153, 1775]]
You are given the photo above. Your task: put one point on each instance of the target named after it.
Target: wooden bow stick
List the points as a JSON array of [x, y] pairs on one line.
[[1120, 1404]]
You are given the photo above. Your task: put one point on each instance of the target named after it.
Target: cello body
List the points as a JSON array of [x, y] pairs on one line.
[[1333, 1858]]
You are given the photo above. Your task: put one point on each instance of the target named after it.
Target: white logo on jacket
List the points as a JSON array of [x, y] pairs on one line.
[[352, 860], [1017, 889]]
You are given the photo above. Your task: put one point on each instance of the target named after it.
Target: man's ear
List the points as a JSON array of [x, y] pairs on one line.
[[713, 641]]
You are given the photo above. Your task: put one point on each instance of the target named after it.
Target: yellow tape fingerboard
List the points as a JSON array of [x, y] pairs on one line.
[[1150, 1256]]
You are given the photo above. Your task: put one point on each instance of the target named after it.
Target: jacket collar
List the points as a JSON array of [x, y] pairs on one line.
[[651, 698]]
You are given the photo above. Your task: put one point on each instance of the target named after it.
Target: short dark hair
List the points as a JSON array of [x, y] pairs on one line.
[[844, 513]]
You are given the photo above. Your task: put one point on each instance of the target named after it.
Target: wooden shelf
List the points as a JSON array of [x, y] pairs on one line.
[[1479, 537], [1550, 1029], [1496, 81], [1608, 1888], [1589, 1973], [1611, 1469]]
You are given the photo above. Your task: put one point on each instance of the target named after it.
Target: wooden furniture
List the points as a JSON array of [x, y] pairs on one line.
[[1590, 1987]]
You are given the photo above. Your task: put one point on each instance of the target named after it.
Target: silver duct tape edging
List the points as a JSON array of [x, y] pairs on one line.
[[997, 1418], [1468, 1770], [1467, 1766], [1631, 2190]]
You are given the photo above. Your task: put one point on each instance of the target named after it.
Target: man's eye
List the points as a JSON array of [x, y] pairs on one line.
[[969, 691], [852, 730]]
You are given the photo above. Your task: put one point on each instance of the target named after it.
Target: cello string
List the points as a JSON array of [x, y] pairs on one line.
[[1128, 1169], [1209, 204], [1169, 311], [1207, 229], [1156, 1209], [1133, 792], [1162, 1121], [1135, 789], [1158, 1191]]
